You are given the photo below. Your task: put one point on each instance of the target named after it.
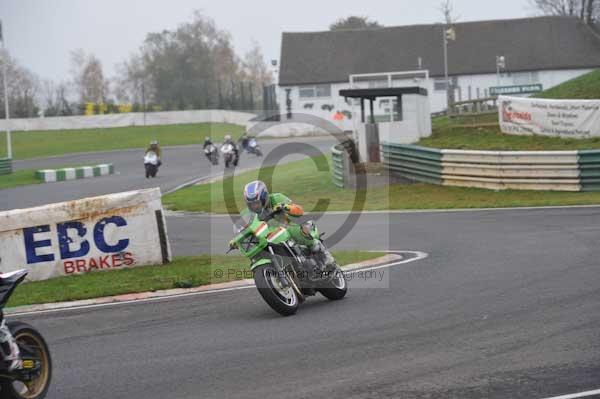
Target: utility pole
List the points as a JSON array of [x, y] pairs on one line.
[[447, 34], [500, 63], [6, 108], [144, 100]]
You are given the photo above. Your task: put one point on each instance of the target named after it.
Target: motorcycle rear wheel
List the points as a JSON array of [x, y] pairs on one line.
[[29, 337], [336, 287]]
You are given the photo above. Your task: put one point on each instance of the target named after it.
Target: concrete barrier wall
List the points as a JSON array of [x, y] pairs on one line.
[[91, 234], [520, 170], [129, 119]]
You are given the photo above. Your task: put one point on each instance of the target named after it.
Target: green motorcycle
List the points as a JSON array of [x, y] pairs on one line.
[[284, 271]]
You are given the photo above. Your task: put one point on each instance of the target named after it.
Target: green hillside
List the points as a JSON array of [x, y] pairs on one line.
[[586, 87]]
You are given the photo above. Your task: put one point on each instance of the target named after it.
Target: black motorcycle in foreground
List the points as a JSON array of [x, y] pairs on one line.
[[33, 379]]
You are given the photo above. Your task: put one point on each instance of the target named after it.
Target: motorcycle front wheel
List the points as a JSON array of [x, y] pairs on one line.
[[30, 341], [283, 300]]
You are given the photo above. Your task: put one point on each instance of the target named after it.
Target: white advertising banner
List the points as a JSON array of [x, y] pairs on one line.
[[100, 233], [559, 118]]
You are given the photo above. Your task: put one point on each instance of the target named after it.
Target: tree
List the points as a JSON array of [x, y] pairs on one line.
[[447, 9], [192, 67], [88, 77], [54, 97], [256, 72], [354, 22], [23, 87], [586, 10]]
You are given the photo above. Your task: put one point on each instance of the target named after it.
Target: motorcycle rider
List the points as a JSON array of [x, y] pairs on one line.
[[259, 201], [207, 142], [244, 139], [8, 347], [236, 156], [154, 147]]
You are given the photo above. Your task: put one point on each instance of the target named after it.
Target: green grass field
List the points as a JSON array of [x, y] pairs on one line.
[[463, 134], [183, 272], [35, 144], [586, 87], [303, 184], [475, 133], [18, 178]]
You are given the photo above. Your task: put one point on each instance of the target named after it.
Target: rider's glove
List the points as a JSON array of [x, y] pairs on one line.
[[281, 207], [232, 244]]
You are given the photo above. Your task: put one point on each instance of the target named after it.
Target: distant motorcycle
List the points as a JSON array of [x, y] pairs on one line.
[[230, 154], [151, 163], [212, 154], [32, 380], [253, 147]]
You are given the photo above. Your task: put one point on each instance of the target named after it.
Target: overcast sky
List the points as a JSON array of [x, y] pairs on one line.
[[41, 33]]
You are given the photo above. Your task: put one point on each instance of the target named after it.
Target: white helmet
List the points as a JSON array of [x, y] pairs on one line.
[[227, 137]]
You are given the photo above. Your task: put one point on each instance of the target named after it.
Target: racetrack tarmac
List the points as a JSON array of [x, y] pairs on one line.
[[180, 165], [506, 305]]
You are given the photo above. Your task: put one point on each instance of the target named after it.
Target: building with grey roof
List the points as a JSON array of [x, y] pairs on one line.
[[547, 51]]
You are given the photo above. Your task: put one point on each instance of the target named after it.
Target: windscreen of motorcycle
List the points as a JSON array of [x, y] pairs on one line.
[[244, 220]]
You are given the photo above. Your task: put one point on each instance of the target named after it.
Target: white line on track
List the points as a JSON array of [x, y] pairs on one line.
[[577, 395], [418, 256], [408, 211]]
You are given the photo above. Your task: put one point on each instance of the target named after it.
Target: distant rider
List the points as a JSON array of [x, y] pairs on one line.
[[259, 201], [207, 142], [154, 147], [236, 155], [244, 140]]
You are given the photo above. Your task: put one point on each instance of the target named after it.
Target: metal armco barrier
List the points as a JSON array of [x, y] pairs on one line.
[[413, 162], [521, 170], [5, 166], [589, 170], [338, 158]]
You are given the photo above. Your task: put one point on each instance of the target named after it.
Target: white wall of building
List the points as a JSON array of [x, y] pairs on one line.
[[468, 87]]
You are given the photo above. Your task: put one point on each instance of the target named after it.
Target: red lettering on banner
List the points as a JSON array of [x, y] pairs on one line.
[[116, 260], [128, 256], [80, 264], [104, 262], [69, 267], [92, 265]]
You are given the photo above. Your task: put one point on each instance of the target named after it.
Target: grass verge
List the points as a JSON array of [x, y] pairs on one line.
[[469, 134], [483, 132], [585, 87], [183, 272], [34, 144], [305, 185], [18, 178]]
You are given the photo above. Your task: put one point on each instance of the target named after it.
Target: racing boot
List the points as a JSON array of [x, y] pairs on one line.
[[9, 348]]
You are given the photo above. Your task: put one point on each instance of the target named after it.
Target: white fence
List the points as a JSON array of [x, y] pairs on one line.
[[101, 233], [129, 119]]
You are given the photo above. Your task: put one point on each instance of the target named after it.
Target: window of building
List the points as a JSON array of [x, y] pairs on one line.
[[525, 78], [315, 91], [377, 84], [440, 85]]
